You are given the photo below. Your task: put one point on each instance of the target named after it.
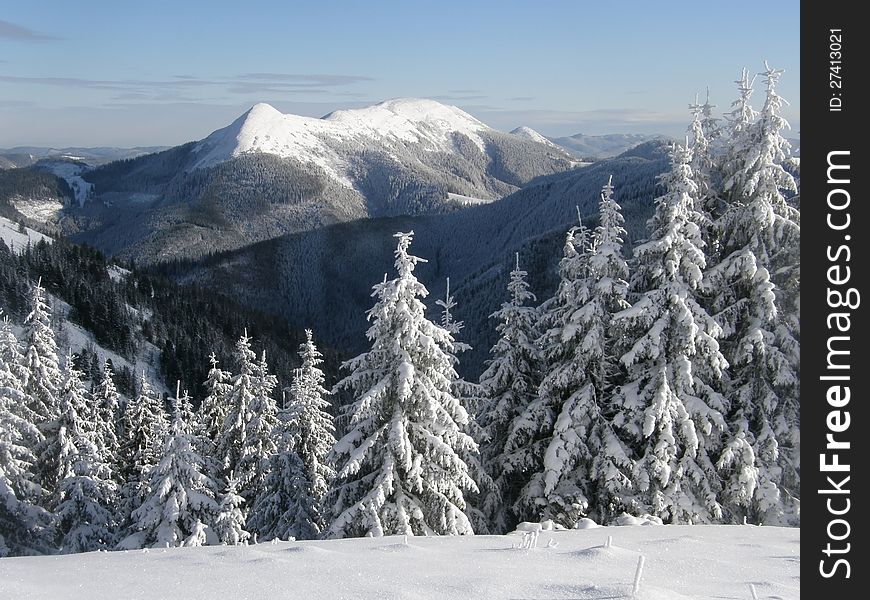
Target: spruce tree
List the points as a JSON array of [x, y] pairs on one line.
[[470, 396], [213, 410], [107, 405], [84, 492], [180, 500], [259, 445], [229, 524], [401, 470], [670, 406], [315, 434], [754, 291], [145, 429], [584, 465], [279, 510], [232, 443], [25, 527], [43, 378], [508, 385]]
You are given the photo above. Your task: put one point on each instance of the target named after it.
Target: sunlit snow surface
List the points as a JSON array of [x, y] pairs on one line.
[[401, 121], [681, 562], [18, 240]]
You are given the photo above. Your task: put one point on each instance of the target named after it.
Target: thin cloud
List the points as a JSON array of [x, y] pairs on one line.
[[303, 79], [450, 97], [16, 103], [11, 31], [250, 83]]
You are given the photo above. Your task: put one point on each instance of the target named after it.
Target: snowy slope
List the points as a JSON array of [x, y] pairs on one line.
[[680, 562], [16, 239], [71, 172], [530, 134], [394, 122]]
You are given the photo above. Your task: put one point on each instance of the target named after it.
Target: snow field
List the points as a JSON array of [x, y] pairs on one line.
[[15, 239], [681, 561]]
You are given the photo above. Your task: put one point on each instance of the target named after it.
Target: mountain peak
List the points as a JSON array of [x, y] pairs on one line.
[[399, 121], [261, 110], [530, 134], [411, 120]]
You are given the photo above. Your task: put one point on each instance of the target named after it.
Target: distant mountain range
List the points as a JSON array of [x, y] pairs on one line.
[[268, 174], [24, 156]]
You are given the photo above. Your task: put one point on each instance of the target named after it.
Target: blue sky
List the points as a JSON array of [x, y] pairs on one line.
[[99, 72]]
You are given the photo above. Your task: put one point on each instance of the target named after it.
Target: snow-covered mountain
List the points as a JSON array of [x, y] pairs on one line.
[[269, 173], [394, 123], [530, 134]]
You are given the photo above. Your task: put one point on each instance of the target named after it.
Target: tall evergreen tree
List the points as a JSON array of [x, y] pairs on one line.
[[279, 510], [259, 445], [43, 377], [671, 407], [24, 524], [315, 435], [584, 464], [213, 410], [229, 524], [401, 471], [754, 291], [145, 429], [84, 491], [470, 395], [107, 405], [708, 203], [180, 501], [509, 385], [232, 441]]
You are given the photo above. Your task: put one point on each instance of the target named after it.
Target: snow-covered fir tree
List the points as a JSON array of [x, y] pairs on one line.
[[12, 357], [229, 523], [43, 377], [145, 428], [83, 490], [315, 435], [530, 434], [41, 357], [585, 466], [107, 405], [707, 203], [24, 524], [509, 385], [670, 405], [213, 410], [401, 470], [280, 509], [180, 501], [738, 139], [709, 122], [232, 443], [470, 395], [754, 292], [259, 445]]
